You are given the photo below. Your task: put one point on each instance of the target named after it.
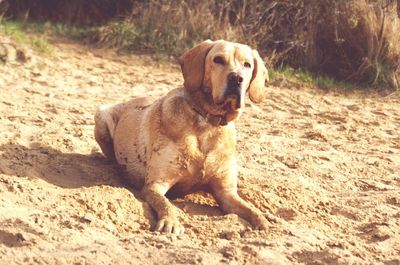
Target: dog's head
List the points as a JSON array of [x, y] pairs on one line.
[[225, 71]]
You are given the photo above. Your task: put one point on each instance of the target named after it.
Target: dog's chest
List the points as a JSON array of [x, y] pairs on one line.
[[205, 153]]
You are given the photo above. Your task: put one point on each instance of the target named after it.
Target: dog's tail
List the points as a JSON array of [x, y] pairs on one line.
[[104, 130]]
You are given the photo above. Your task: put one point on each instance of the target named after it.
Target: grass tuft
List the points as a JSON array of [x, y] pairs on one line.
[[35, 34], [165, 27], [307, 77], [16, 31]]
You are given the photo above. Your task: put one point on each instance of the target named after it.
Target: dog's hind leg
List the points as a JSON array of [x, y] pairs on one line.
[[106, 119], [104, 129]]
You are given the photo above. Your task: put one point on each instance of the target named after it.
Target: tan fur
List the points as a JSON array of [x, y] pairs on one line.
[[260, 74], [167, 146]]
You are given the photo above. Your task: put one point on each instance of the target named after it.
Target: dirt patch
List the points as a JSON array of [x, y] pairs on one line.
[[326, 163]]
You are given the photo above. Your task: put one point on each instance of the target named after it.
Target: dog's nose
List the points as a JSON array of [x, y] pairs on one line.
[[234, 79]]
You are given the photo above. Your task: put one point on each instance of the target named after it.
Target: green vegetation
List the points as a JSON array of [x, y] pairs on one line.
[[36, 34], [13, 30], [57, 29], [17, 32], [19, 29], [306, 77]]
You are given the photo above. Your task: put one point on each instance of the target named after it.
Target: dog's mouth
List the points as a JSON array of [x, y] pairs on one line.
[[232, 100]]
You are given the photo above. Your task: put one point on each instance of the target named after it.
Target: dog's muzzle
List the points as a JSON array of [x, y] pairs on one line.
[[234, 90]]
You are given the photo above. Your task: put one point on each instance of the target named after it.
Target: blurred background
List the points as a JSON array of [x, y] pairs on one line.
[[354, 41]]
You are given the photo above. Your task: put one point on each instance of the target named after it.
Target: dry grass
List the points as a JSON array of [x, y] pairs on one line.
[[68, 11], [355, 41], [167, 27], [349, 40]]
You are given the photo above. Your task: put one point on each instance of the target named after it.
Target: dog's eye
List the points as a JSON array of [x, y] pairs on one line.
[[219, 60], [247, 65]]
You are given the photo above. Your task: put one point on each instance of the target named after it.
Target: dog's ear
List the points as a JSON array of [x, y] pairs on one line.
[[257, 83], [192, 64]]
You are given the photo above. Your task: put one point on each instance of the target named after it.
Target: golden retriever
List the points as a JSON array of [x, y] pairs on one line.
[[186, 140]]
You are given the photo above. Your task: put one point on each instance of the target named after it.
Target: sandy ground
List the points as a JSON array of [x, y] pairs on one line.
[[326, 162]]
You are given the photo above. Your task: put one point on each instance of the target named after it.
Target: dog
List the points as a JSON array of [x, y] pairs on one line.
[[186, 141]]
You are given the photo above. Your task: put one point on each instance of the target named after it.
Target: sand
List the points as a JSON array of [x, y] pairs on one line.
[[326, 162]]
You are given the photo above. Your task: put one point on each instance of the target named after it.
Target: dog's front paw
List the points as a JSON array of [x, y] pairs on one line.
[[273, 219], [170, 225], [259, 222]]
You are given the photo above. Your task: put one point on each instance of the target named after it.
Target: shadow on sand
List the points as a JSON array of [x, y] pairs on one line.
[[66, 170], [74, 170]]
